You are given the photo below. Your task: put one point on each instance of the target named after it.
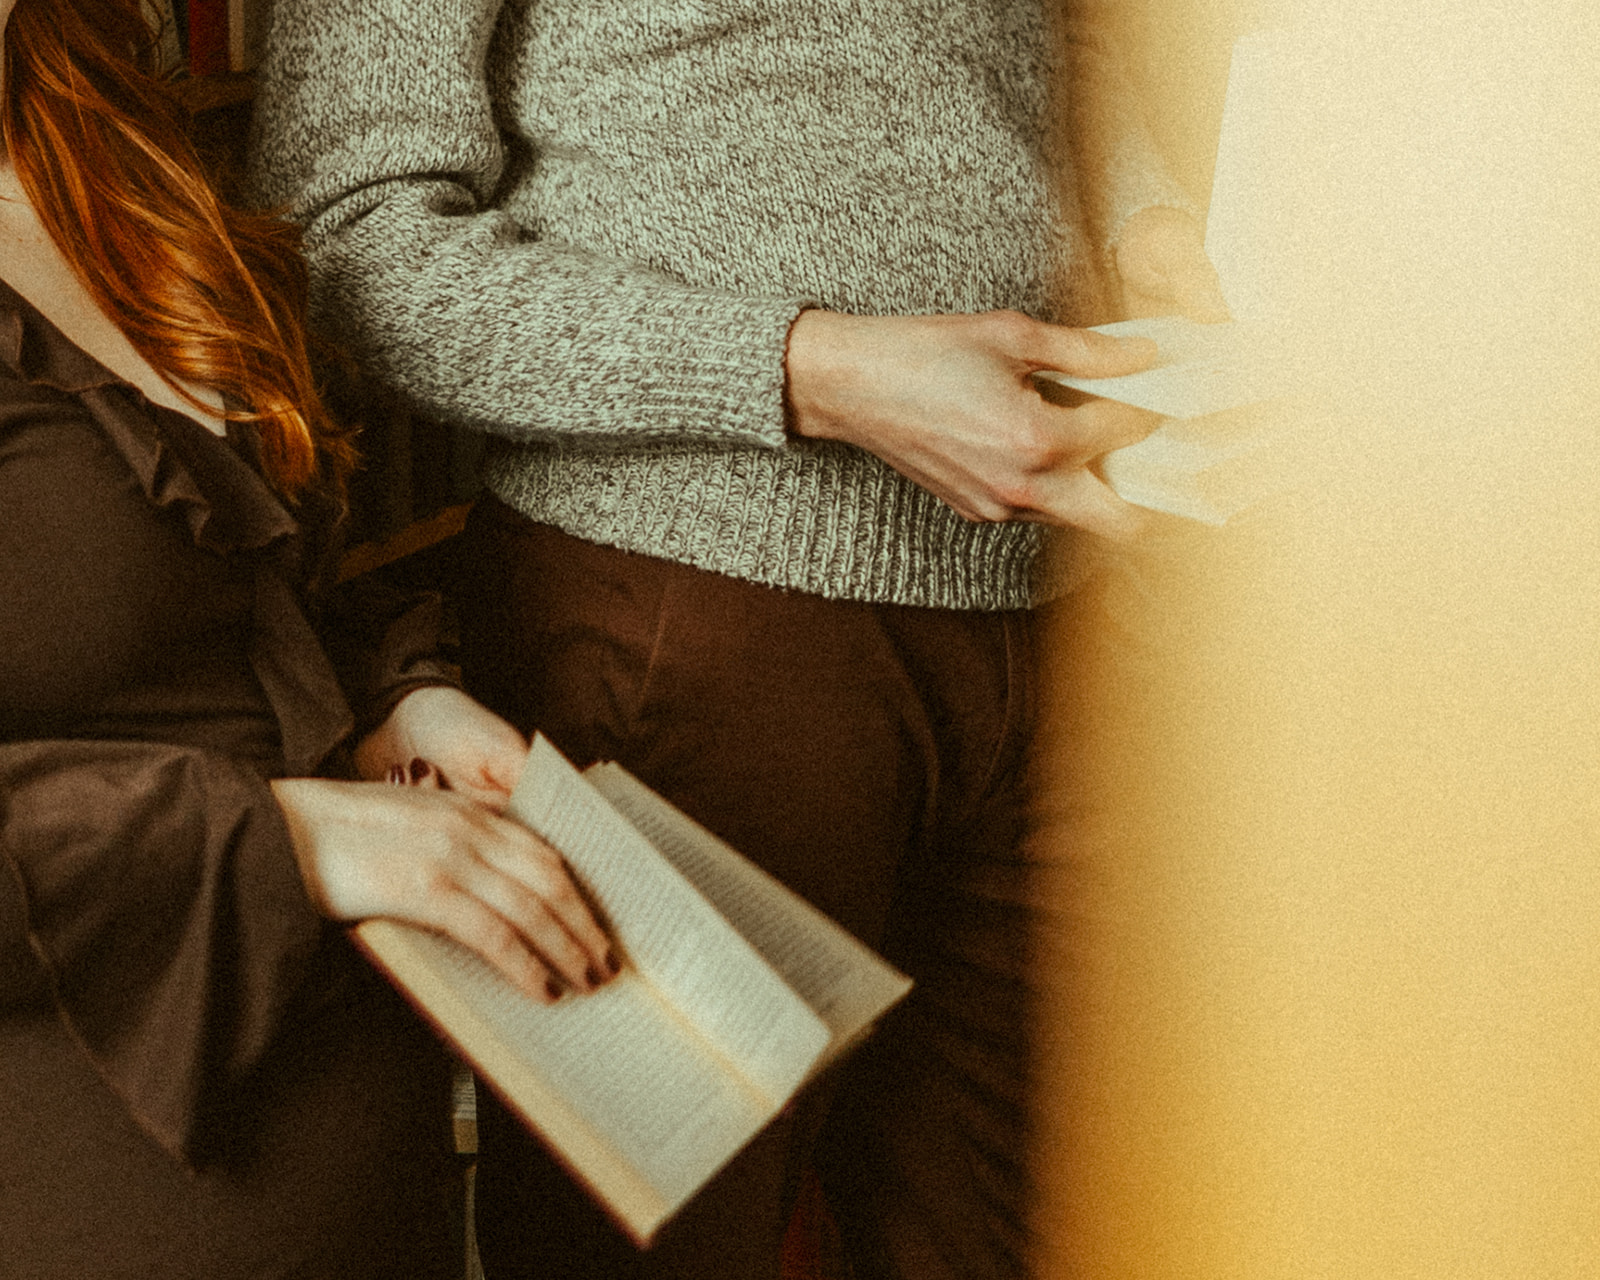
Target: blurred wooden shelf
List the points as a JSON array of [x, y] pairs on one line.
[[209, 93], [420, 534]]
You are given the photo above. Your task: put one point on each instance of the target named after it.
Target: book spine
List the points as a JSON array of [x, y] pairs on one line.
[[208, 37], [248, 21], [238, 43], [163, 20]]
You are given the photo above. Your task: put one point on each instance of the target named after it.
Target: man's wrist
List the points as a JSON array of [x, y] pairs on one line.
[[820, 362]]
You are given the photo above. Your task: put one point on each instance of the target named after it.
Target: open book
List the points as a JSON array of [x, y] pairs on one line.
[[735, 991], [1218, 387]]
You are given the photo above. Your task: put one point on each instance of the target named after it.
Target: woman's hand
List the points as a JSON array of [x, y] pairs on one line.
[[469, 748], [435, 859]]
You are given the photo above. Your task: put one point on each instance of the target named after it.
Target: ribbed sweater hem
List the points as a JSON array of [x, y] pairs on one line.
[[827, 520]]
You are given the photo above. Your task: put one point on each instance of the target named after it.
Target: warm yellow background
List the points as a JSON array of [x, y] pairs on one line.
[[1326, 792]]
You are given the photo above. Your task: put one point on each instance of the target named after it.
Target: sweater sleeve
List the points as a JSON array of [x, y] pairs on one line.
[[163, 906], [376, 130]]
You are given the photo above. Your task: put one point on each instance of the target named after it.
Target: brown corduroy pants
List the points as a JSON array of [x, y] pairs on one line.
[[873, 758]]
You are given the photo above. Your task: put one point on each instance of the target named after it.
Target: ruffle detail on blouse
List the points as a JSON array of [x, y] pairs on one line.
[[228, 508], [180, 464], [230, 511], [226, 505]]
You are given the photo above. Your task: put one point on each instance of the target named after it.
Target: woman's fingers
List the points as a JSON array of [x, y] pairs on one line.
[[418, 854], [468, 748], [467, 920], [520, 879], [540, 879], [527, 883], [419, 773]]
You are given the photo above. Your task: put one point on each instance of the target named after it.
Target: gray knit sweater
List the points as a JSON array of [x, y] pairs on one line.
[[585, 227]]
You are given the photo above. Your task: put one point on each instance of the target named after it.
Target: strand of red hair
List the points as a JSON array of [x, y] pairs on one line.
[[208, 294]]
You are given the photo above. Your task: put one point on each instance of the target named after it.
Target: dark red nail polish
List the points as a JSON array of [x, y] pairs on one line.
[[592, 976], [420, 769], [397, 775], [613, 963], [553, 988]]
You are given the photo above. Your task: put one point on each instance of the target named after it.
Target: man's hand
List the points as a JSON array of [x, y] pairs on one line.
[[1161, 262], [948, 401], [477, 753]]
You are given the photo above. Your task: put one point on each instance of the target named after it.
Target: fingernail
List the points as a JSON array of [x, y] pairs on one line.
[[553, 988], [420, 769], [592, 976], [397, 775], [613, 963]]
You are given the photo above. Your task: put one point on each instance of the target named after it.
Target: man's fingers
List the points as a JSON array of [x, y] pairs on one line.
[[1100, 426], [1083, 353], [1027, 481], [1081, 499]]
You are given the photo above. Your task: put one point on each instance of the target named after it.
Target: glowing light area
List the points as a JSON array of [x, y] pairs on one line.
[[1324, 810]]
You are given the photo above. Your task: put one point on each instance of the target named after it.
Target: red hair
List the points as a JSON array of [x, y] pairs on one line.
[[207, 294]]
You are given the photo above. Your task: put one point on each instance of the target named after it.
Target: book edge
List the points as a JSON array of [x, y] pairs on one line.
[[633, 1200]]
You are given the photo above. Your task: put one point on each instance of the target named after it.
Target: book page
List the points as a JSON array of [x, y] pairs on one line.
[[616, 1081], [1262, 137], [1200, 369], [670, 933], [1207, 469], [844, 981]]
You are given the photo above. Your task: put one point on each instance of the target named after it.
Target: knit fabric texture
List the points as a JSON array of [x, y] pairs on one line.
[[585, 227]]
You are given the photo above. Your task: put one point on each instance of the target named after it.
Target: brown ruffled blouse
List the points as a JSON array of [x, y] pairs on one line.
[[198, 1076]]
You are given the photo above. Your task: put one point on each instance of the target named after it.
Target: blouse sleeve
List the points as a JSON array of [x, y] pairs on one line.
[[164, 908], [384, 643], [149, 888]]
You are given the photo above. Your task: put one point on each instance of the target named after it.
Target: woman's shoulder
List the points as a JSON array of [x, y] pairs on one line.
[[46, 433], [52, 451], [42, 377], [37, 361]]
